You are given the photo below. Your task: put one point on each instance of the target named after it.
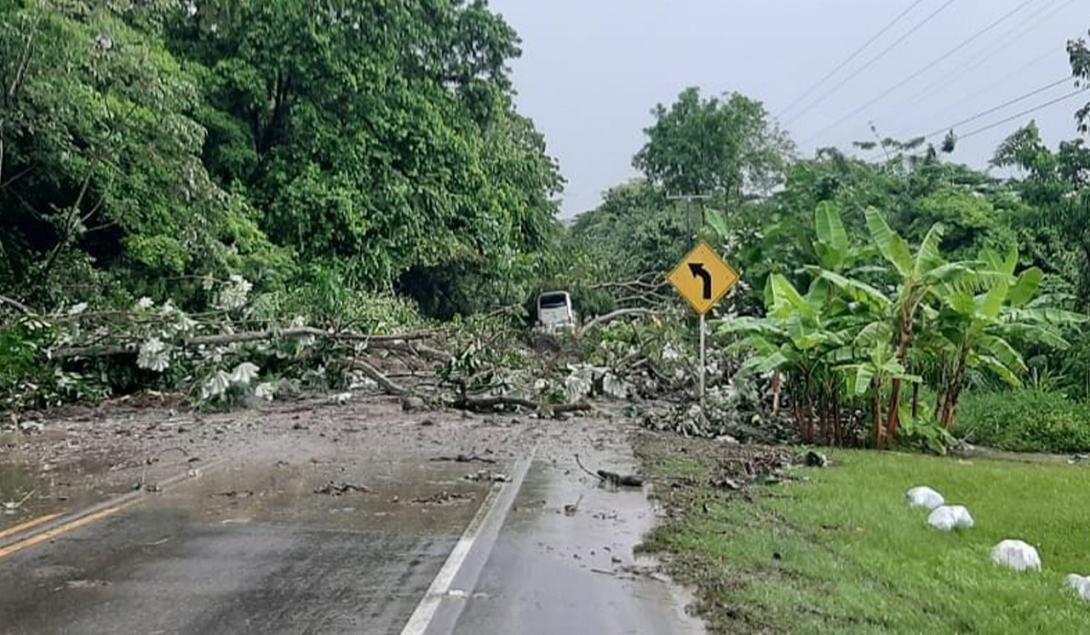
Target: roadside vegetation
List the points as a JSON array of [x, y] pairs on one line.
[[241, 200], [837, 549]]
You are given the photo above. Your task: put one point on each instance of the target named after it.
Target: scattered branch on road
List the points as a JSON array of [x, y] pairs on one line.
[[338, 489], [465, 458], [612, 478], [387, 385], [486, 404]]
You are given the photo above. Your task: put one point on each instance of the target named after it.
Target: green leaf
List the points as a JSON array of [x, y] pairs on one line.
[[784, 294], [830, 227], [992, 302], [928, 256], [1026, 287], [999, 369], [892, 247], [717, 220], [764, 364], [1002, 350], [873, 333], [856, 290]]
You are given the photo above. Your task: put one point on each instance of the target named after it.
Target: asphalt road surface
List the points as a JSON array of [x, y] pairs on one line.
[[267, 547]]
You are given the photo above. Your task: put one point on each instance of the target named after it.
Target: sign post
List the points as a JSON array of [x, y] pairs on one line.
[[702, 278]]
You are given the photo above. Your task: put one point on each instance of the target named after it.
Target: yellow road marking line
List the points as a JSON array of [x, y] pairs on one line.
[[63, 529], [28, 524]]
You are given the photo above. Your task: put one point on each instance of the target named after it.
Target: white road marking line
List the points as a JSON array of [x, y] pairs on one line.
[[425, 611]]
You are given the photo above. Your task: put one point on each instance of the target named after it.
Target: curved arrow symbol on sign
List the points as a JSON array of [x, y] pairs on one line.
[[698, 270]]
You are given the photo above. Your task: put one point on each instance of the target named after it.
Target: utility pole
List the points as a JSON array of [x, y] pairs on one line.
[[689, 198]]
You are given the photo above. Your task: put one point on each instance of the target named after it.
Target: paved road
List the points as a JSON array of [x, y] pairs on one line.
[[253, 548]]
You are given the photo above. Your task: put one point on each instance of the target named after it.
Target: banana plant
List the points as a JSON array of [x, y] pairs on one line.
[[922, 275], [879, 368], [979, 329]]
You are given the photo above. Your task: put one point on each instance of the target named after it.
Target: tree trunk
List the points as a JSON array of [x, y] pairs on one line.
[[838, 430], [904, 338], [915, 400], [777, 386], [809, 410], [954, 391], [879, 428]]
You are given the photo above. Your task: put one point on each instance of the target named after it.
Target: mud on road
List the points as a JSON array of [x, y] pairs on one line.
[[320, 514]]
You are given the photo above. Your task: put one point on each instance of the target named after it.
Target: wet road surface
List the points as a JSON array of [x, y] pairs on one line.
[[266, 546]]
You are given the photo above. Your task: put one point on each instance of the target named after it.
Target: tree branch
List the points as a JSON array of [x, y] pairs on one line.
[[17, 304], [609, 317]]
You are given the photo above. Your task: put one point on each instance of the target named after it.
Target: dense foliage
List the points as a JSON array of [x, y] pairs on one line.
[[174, 172], [145, 144], [1026, 421]]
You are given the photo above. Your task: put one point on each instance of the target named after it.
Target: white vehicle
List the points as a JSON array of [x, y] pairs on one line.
[[554, 311]]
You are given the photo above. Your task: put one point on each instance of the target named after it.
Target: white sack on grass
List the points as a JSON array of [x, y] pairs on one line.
[[924, 497], [1017, 555], [950, 517], [1081, 585]]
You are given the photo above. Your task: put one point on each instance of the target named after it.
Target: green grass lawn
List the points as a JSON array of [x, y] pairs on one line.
[[842, 552]]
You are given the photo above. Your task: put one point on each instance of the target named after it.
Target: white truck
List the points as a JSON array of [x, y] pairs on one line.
[[555, 312]]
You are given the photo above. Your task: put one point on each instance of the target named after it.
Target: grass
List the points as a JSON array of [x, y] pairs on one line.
[[842, 553], [1025, 420]]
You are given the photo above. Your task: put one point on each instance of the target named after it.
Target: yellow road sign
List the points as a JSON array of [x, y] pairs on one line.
[[703, 278]]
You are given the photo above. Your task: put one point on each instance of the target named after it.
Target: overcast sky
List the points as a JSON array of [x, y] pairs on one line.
[[591, 70]]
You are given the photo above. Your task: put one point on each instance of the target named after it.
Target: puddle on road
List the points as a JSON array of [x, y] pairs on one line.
[[29, 491], [285, 494]]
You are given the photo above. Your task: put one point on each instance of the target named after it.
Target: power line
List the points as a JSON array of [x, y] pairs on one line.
[[889, 25], [919, 25], [1023, 113], [933, 63], [1003, 40], [1052, 50], [1009, 119]]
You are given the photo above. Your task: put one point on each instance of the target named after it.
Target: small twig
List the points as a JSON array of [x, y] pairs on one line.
[[583, 467]]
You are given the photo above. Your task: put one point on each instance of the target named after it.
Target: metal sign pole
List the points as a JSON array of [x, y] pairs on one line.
[[702, 364]]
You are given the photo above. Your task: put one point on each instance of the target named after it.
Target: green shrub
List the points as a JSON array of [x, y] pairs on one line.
[[1028, 420]]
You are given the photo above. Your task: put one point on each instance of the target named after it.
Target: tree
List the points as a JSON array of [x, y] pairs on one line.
[[100, 162], [379, 138], [727, 146], [1080, 68]]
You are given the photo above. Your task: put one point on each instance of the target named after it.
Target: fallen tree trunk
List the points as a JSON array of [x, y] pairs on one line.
[[488, 403], [392, 342], [384, 382]]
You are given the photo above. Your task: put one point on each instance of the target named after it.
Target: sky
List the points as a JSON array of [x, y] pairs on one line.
[[592, 70]]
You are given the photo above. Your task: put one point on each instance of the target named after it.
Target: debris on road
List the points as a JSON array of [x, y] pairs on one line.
[[441, 498], [487, 476], [465, 458], [332, 488], [10, 507], [612, 478], [235, 494]]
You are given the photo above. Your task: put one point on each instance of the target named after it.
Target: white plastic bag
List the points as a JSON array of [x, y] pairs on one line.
[[924, 497], [950, 517], [1017, 555], [1081, 585]]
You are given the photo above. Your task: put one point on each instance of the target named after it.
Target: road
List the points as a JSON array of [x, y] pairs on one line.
[[250, 546]]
